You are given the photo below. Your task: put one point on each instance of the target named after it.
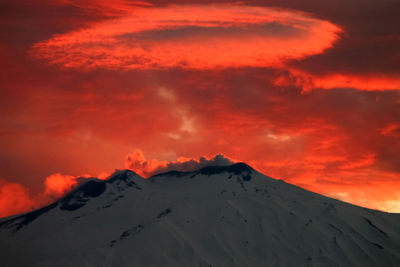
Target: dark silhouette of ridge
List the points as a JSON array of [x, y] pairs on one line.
[[236, 168], [94, 187]]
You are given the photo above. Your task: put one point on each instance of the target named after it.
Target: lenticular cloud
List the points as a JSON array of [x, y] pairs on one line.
[[191, 36]]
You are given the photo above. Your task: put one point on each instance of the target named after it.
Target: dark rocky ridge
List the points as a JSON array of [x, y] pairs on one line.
[[93, 188], [237, 168]]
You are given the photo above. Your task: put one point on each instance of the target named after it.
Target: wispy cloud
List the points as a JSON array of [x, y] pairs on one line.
[[191, 36]]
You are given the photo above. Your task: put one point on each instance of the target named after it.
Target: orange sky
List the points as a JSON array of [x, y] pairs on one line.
[[301, 90]]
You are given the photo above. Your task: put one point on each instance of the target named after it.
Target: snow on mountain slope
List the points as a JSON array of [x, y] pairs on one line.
[[217, 216]]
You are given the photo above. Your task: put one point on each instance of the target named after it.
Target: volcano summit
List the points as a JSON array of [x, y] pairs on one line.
[[215, 216]]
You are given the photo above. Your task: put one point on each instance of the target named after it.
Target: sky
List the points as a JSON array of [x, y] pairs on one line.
[[304, 91]]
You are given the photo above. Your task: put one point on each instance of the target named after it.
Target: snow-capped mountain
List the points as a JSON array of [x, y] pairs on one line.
[[216, 216]]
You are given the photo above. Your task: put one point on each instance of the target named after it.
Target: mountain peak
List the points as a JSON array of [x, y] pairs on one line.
[[123, 175], [236, 168], [93, 187], [78, 197], [239, 168]]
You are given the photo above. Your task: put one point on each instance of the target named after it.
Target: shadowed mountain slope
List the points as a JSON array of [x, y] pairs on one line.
[[216, 216]]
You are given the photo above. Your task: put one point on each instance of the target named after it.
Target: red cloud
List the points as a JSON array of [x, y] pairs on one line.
[[14, 198], [367, 83], [103, 7], [191, 36], [137, 162], [58, 184], [370, 82]]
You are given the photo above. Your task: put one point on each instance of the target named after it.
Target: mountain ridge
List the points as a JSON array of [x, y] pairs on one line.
[[121, 175], [218, 215]]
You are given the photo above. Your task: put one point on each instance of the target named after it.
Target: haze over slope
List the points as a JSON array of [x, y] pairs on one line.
[[216, 216]]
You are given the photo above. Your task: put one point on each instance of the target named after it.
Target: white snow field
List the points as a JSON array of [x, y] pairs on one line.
[[216, 216]]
